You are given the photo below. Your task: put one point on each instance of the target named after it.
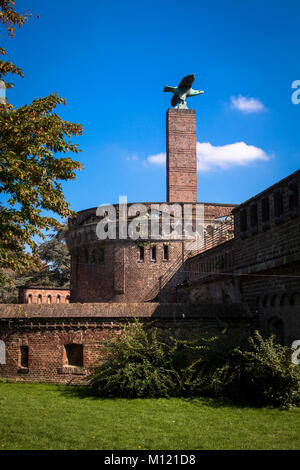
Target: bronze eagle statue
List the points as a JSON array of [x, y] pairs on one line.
[[182, 91]]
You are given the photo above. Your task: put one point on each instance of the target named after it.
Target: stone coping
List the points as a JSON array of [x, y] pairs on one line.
[[121, 310]]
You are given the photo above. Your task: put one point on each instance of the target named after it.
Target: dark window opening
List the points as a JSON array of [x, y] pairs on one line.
[[265, 210], [29, 299], [153, 253], [278, 204], [24, 356], [142, 253], [49, 299], [40, 299], [58, 299], [67, 299], [253, 216], [166, 252], [293, 195], [74, 354], [243, 220]]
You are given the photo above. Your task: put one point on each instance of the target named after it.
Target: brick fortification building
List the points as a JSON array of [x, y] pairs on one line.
[[246, 272]]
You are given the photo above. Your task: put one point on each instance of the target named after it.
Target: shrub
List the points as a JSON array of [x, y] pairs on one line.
[[216, 366], [259, 370], [137, 364], [270, 377]]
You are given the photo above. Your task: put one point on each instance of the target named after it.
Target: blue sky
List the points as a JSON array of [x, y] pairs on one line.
[[111, 61]]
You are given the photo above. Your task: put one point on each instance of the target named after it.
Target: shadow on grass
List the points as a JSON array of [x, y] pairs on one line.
[[85, 391]]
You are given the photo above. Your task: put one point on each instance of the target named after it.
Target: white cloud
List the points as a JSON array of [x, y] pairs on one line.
[[210, 157], [158, 159], [247, 105]]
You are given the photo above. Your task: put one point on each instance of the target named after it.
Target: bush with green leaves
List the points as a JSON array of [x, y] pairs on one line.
[[137, 364], [270, 376], [259, 370], [141, 361]]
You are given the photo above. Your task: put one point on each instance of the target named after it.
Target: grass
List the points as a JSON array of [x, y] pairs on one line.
[[44, 416]]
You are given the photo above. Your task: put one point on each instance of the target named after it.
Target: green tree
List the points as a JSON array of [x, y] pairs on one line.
[[50, 268], [32, 138]]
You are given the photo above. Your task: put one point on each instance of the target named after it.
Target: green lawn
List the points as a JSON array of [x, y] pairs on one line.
[[43, 416]]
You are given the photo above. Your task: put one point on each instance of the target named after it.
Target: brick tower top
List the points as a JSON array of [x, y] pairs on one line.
[[181, 155]]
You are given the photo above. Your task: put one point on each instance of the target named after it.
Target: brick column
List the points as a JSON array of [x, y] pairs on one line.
[[181, 155]]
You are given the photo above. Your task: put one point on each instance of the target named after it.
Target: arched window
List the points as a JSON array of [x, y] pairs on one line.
[[29, 299], [40, 299], [141, 252], [58, 299], [49, 299], [2, 352]]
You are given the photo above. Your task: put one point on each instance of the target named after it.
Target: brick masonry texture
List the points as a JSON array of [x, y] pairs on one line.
[[43, 295], [261, 265], [181, 155], [120, 275], [51, 331]]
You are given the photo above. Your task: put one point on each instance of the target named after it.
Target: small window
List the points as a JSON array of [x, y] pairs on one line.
[[278, 203], [49, 299], [293, 195], [29, 299], [265, 210], [253, 216], [2, 352], [153, 253], [101, 255], [58, 299], [166, 252], [243, 219], [67, 299], [24, 356], [142, 253], [74, 354], [40, 299]]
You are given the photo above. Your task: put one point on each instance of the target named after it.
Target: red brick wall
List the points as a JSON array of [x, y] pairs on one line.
[[181, 155], [43, 295], [47, 329], [123, 277]]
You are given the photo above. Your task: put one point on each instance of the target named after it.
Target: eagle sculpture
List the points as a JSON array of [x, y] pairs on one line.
[[182, 91]]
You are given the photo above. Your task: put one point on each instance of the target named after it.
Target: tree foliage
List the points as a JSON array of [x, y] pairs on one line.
[[49, 268], [32, 139]]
